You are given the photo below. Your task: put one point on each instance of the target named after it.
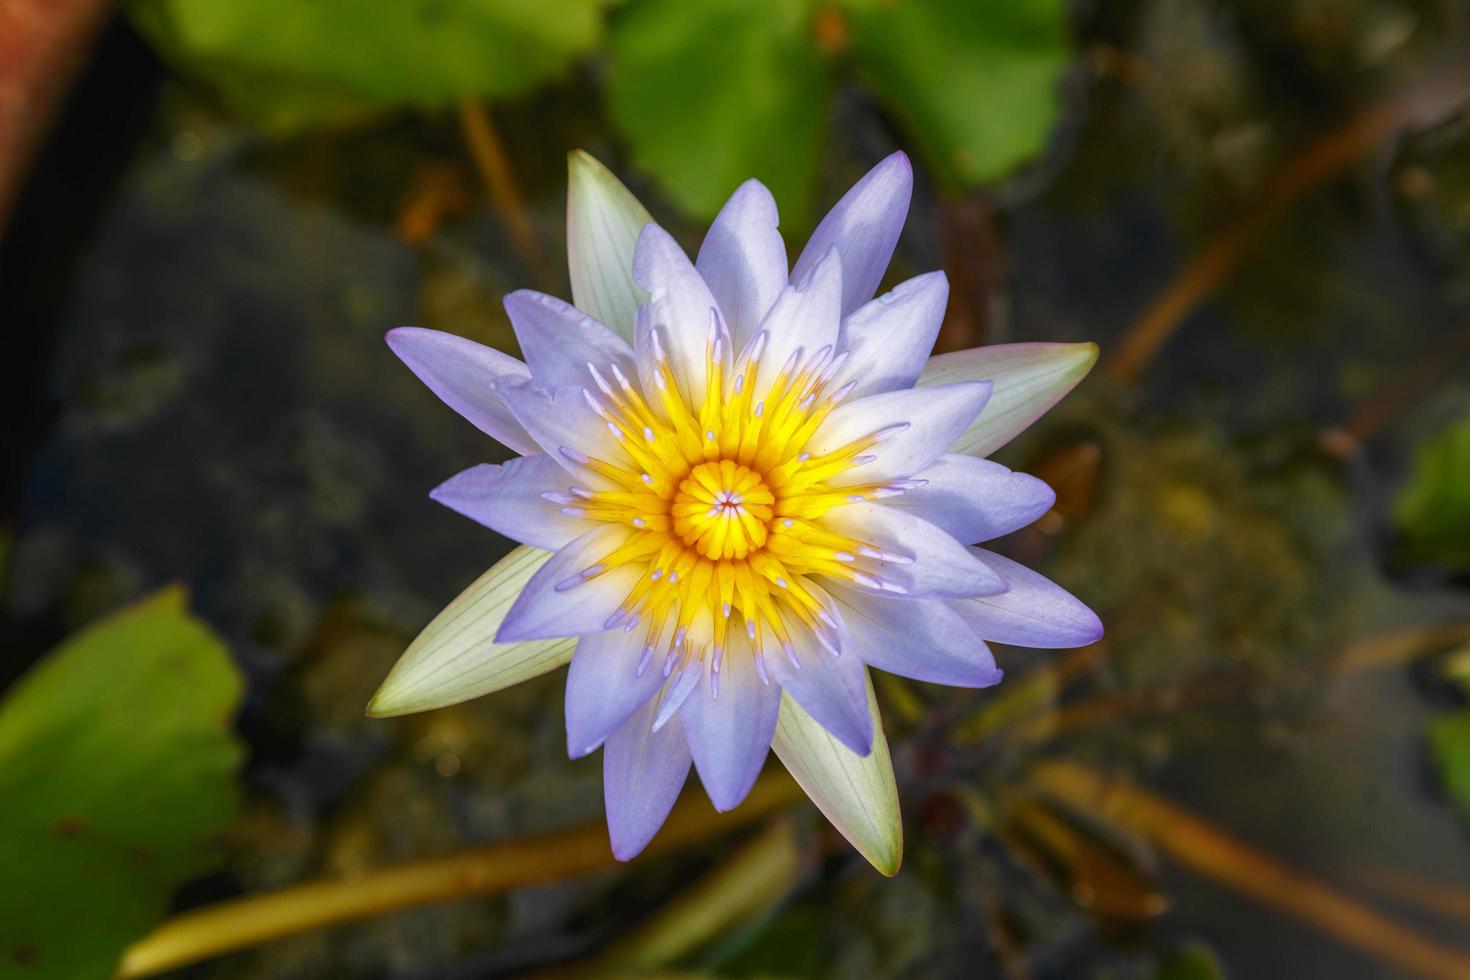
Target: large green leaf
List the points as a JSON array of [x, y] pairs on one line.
[[117, 765], [1449, 737], [292, 61], [714, 92], [1433, 510], [977, 83]]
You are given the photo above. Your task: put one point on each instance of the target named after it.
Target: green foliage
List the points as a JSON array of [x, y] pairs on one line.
[[711, 93], [1449, 739], [976, 83], [1432, 512], [288, 62], [1193, 962], [117, 765]]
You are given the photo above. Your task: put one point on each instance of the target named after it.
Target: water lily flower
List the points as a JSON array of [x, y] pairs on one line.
[[743, 483]]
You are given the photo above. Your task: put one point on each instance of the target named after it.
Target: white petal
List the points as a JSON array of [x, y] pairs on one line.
[[554, 603], [604, 687], [464, 374], [1032, 612], [679, 308], [918, 425], [937, 566], [975, 499], [508, 498], [603, 222], [920, 638], [888, 339], [567, 429], [455, 659], [856, 793], [642, 773], [828, 686], [864, 227], [743, 260], [729, 724], [803, 321], [559, 341], [1028, 379]]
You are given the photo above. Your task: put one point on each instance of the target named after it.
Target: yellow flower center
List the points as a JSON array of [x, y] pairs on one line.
[[720, 498]]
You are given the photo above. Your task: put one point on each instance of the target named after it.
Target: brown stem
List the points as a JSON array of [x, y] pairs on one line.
[[489, 870], [493, 164], [1318, 163], [1208, 850]]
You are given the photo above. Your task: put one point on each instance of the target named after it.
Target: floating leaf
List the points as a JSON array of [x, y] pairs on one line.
[[117, 765], [1432, 511], [977, 83], [1449, 738], [1193, 962], [286, 62], [709, 94]]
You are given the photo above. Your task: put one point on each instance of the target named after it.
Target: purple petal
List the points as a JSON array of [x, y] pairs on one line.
[[743, 260], [919, 424], [508, 498], [830, 688], [567, 429], [803, 321], [463, 374], [864, 228], [888, 339], [559, 341], [642, 773], [565, 597], [604, 687], [730, 724], [921, 638], [679, 306], [933, 566], [975, 499], [1033, 612]]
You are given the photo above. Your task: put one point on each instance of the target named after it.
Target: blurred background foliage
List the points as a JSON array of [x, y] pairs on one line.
[[1260, 210]]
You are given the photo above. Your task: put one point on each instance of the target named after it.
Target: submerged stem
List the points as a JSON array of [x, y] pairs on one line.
[[488, 870]]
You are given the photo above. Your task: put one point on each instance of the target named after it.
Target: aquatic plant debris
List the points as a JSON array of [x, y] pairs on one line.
[[735, 497]]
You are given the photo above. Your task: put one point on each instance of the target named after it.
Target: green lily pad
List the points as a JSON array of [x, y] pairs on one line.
[[287, 62], [977, 84], [709, 94], [1432, 511], [1449, 739], [1192, 962], [117, 766]]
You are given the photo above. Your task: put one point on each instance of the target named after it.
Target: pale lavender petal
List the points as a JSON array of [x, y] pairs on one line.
[[679, 307], [926, 562], [888, 339], [974, 499], [463, 374], [569, 596], [566, 428], [604, 687], [915, 427], [642, 773], [730, 722], [922, 638], [559, 341], [802, 324], [743, 260], [1033, 612], [1028, 380], [864, 227], [513, 498], [830, 688]]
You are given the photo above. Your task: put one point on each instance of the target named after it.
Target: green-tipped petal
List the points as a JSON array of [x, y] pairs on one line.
[[454, 658], [1028, 380], [857, 793], [603, 222]]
